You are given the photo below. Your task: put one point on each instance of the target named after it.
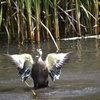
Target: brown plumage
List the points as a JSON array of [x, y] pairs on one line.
[[40, 73]]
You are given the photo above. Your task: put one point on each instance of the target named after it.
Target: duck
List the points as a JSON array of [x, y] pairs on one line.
[[39, 70]]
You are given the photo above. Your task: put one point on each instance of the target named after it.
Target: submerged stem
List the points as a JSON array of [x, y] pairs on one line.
[[35, 95]]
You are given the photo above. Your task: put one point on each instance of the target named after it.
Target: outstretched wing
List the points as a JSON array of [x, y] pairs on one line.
[[19, 59], [26, 71], [54, 62], [24, 63]]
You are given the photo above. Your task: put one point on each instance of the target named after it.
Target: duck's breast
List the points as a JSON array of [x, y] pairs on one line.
[[39, 71]]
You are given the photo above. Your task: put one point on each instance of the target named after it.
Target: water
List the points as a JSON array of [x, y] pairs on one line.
[[80, 77]]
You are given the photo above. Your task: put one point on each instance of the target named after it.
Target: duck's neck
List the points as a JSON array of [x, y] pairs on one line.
[[39, 59]]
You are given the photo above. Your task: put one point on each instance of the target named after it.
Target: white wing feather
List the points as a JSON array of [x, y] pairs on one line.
[[19, 60], [24, 63], [54, 62]]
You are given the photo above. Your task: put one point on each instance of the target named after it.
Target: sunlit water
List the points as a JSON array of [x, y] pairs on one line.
[[80, 77]]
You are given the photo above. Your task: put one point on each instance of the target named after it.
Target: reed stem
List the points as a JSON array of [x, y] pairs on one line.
[[56, 24], [78, 18], [0, 15], [37, 18], [35, 95], [96, 16], [47, 19], [29, 21]]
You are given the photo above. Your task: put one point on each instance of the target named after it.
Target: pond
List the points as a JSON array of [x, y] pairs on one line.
[[79, 80]]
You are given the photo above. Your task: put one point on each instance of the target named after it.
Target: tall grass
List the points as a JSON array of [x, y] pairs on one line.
[[47, 18], [60, 17], [20, 20], [29, 19], [0, 15], [56, 23], [77, 13], [37, 18], [96, 10]]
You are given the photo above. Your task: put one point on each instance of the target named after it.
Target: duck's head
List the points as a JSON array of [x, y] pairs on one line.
[[38, 53]]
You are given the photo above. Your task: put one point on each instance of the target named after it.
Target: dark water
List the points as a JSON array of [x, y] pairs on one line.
[[80, 77]]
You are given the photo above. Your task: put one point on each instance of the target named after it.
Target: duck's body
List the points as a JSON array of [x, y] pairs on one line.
[[40, 73], [40, 69]]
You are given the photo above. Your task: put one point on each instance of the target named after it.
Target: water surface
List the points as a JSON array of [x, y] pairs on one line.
[[80, 77]]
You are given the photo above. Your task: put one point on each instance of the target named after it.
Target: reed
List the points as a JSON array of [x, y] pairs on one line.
[[37, 18], [29, 19], [8, 34], [66, 18], [75, 16], [47, 19], [88, 15], [5, 22], [96, 10], [20, 20], [56, 23], [77, 13], [69, 18], [0, 15]]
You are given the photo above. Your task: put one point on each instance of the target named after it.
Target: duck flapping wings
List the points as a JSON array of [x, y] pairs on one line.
[[53, 62]]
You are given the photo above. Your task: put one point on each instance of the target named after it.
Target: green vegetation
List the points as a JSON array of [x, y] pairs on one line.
[[34, 20]]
